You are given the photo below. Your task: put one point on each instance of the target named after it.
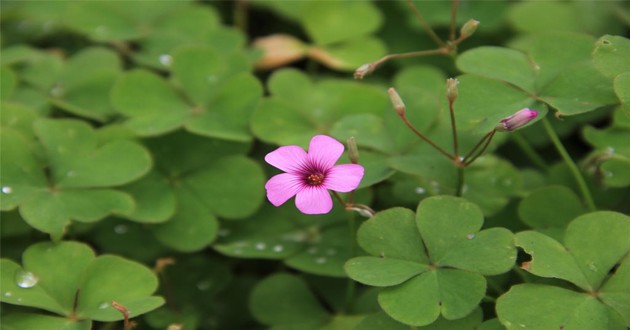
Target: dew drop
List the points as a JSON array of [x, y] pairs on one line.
[[166, 59], [278, 248], [224, 232], [203, 285], [8, 294], [103, 305], [19, 299], [100, 30], [312, 250], [71, 174], [261, 246], [331, 252], [212, 79], [121, 229], [321, 260], [470, 236], [7, 190], [56, 91], [608, 174], [592, 267], [238, 251], [420, 190], [25, 279]]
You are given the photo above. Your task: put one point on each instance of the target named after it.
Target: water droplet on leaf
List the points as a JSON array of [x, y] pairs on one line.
[[7, 190], [261, 246], [25, 279], [321, 260], [166, 59], [420, 190], [470, 236], [8, 294], [121, 229], [278, 248], [103, 305]]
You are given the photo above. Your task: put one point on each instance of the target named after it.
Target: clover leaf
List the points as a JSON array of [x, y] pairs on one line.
[[193, 189], [431, 263], [66, 278], [217, 99], [82, 172], [552, 68], [594, 244]]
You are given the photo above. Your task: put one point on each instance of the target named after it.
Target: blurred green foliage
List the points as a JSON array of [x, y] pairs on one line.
[[132, 137]]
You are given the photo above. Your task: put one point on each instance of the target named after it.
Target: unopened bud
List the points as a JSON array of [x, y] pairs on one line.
[[451, 89], [363, 210], [363, 70], [397, 102], [517, 120], [468, 29], [353, 150], [279, 50]]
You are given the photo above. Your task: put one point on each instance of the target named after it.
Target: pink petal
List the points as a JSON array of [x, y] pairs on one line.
[[281, 187], [344, 178], [314, 200], [324, 151], [288, 158]]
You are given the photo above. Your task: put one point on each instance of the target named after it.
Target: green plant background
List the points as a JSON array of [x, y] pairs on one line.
[[132, 139]]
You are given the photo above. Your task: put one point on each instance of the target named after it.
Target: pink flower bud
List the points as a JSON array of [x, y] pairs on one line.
[[517, 120], [469, 28]]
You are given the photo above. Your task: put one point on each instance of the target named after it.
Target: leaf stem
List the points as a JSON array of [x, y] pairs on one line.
[[575, 171], [240, 15], [454, 5], [474, 154], [529, 151], [454, 129], [352, 285], [460, 181], [424, 138], [426, 25]]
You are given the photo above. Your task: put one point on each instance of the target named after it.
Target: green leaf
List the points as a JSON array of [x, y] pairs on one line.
[[614, 292], [550, 207], [420, 301], [154, 107], [66, 278], [293, 303], [17, 321], [522, 307], [382, 271], [193, 226], [392, 234], [18, 117], [550, 258], [52, 211], [283, 120], [84, 85], [489, 252], [498, 63], [238, 199], [349, 55], [112, 278], [612, 55], [21, 173], [78, 161], [598, 241], [8, 83], [483, 102], [326, 255], [446, 221], [328, 23], [154, 199], [545, 16]]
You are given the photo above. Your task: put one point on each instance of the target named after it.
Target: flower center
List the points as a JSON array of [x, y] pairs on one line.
[[315, 179]]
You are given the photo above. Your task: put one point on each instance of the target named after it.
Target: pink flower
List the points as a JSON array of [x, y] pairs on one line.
[[309, 175], [517, 120]]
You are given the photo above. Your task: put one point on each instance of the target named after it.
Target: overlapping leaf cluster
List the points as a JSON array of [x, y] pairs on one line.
[[132, 137]]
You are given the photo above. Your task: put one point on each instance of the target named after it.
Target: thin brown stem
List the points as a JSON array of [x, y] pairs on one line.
[[339, 199], [439, 51], [487, 138], [425, 25], [425, 139], [240, 15], [454, 129], [454, 5]]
